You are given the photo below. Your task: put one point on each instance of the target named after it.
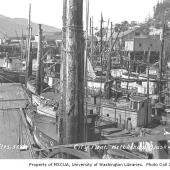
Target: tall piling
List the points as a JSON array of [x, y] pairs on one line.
[[73, 72]]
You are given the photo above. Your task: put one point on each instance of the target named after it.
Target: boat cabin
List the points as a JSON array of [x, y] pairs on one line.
[[143, 109], [135, 111], [52, 69], [13, 64]]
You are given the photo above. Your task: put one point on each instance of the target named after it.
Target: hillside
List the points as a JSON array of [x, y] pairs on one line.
[[13, 27]]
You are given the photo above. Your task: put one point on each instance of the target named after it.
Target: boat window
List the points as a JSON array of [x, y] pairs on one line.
[[137, 33], [139, 82], [143, 104], [135, 105], [131, 105], [140, 45], [10, 60]]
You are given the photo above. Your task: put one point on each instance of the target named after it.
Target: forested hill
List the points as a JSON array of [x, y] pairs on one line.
[[13, 27], [161, 10]]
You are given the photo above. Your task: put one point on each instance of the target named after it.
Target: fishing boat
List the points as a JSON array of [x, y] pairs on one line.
[[45, 119], [47, 110], [13, 70], [42, 126]]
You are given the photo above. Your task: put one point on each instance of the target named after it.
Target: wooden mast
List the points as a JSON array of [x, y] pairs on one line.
[[62, 107], [109, 57], [29, 57], [101, 37], [92, 41], [85, 68], [22, 46], [39, 62], [108, 88], [73, 87], [148, 101], [161, 61], [90, 26], [101, 54]]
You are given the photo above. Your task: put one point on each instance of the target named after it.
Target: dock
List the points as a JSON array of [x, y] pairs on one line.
[[15, 140]]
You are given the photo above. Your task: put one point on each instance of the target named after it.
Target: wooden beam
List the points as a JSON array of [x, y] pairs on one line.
[[28, 134], [6, 100], [71, 152], [119, 140], [124, 153]]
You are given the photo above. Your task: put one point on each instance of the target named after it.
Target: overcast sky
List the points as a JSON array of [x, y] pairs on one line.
[[50, 11]]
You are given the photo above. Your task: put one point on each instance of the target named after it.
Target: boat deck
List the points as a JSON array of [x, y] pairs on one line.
[[13, 130]]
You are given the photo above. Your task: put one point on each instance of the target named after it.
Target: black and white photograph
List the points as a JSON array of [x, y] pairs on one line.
[[85, 79]]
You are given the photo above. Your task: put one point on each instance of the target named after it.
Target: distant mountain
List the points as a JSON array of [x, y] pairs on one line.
[[13, 27]]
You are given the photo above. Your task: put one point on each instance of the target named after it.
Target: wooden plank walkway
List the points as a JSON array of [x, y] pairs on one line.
[[13, 131], [12, 96]]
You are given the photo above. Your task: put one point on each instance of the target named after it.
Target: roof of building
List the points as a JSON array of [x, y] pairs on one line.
[[145, 37], [138, 98], [122, 34], [159, 105], [53, 36], [151, 76], [129, 31], [94, 38]]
